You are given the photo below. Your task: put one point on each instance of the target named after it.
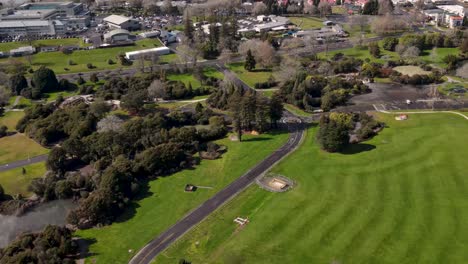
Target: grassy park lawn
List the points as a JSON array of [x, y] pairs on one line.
[[52, 96], [153, 214], [398, 198], [362, 54], [449, 88], [10, 119], [18, 147], [440, 55], [250, 78], [14, 181], [307, 22], [186, 78], [411, 70], [59, 62], [212, 72]]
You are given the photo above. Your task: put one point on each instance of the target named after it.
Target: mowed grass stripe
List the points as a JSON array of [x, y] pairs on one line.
[[408, 196]]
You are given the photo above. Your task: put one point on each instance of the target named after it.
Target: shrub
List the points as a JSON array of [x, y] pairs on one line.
[[110, 62]]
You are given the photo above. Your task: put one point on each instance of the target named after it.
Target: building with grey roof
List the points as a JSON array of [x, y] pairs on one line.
[[122, 22]]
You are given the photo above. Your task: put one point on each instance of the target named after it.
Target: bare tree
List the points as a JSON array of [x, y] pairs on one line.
[[167, 7], [361, 22], [324, 8], [388, 24], [263, 52], [136, 3], [310, 9], [109, 123], [259, 8], [463, 71], [411, 53], [157, 89], [385, 7], [288, 69]]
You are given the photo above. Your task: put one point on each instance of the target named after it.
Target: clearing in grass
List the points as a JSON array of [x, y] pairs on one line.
[[15, 181], [19, 147], [156, 212], [10, 119], [397, 198], [252, 77]]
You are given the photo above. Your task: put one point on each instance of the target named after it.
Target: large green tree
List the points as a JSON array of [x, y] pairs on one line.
[[17, 83], [44, 80]]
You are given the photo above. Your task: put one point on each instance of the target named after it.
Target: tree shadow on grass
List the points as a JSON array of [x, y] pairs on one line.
[[256, 139], [131, 209], [83, 247], [357, 148]]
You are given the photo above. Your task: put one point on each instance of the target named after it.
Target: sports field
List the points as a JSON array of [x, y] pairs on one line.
[[166, 201], [398, 198]]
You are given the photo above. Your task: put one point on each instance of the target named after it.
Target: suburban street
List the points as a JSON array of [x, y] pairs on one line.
[[157, 245]]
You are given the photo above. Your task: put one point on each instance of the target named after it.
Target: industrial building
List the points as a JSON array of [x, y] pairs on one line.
[[133, 55], [116, 36], [43, 18], [122, 22]]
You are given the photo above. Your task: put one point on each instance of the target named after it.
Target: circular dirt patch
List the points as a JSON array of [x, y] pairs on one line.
[[275, 183]]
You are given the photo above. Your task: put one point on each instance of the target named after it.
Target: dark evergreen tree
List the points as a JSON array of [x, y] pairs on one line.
[[17, 83], [249, 61], [44, 80], [371, 8]]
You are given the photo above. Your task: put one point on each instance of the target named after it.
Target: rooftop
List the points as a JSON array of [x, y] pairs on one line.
[[116, 19]]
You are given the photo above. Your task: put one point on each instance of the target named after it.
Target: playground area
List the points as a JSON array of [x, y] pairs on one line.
[[275, 183]]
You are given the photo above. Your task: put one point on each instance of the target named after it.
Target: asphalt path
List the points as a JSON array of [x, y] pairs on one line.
[[157, 245], [22, 163]]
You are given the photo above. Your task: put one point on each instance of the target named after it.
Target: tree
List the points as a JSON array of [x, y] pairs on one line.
[[259, 8], [411, 53], [371, 8], [332, 136], [451, 61], [463, 71], [249, 61], [276, 108], [389, 43], [2, 193], [109, 123], [4, 96], [464, 45], [374, 49], [310, 9], [3, 131], [44, 80], [17, 83], [157, 89], [385, 7], [324, 8], [56, 160], [188, 26], [94, 78], [134, 101], [166, 8]]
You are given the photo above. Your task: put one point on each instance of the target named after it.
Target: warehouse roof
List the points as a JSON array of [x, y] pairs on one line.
[[116, 19], [116, 32], [24, 23]]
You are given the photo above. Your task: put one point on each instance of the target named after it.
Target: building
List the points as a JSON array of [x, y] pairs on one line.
[[45, 18], [122, 22], [169, 36], [151, 34], [27, 50], [133, 55], [455, 21], [27, 28], [117, 35], [48, 48]]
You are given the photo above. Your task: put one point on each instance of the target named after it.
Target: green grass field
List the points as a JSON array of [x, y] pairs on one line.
[[296, 110], [58, 61], [18, 147], [187, 78], [400, 198], [14, 181], [250, 78], [157, 211], [10, 119], [307, 22]]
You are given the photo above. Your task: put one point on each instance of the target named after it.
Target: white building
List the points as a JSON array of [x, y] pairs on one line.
[[27, 27], [27, 50], [117, 35], [133, 55], [122, 22]]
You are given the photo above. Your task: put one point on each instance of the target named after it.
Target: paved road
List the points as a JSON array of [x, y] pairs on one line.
[[157, 245], [22, 163]]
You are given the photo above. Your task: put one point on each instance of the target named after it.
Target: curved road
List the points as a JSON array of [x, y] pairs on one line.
[[21, 163], [157, 245]]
